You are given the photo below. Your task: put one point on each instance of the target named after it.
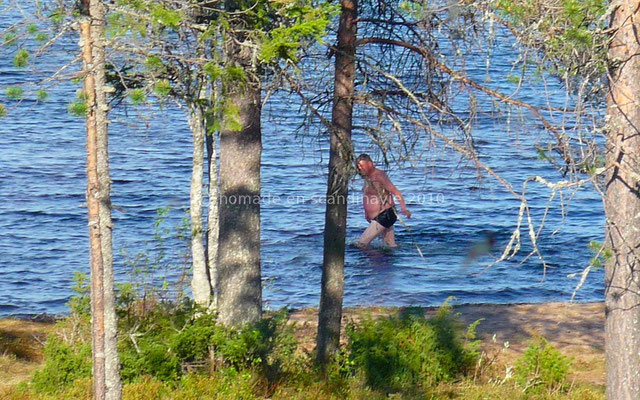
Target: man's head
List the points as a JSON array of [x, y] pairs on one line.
[[364, 164]]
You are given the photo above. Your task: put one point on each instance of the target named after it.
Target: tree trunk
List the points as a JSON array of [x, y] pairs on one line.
[[330, 311], [239, 279], [200, 282], [93, 203], [112, 360], [212, 216], [622, 209]]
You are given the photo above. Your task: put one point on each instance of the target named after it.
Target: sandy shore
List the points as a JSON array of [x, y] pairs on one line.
[[577, 329]]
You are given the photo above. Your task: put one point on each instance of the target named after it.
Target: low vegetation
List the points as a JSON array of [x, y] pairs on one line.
[[175, 351]]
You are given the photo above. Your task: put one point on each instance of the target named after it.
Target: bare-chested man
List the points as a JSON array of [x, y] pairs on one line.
[[378, 203]]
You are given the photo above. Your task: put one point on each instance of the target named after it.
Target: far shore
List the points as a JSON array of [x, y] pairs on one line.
[[576, 329]]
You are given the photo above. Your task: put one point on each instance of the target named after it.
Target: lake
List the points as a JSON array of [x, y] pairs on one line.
[[43, 220]]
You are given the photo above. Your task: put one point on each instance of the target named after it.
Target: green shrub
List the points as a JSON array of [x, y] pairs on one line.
[[268, 345], [194, 341], [225, 384], [152, 358], [408, 352], [542, 367], [146, 349], [64, 364], [167, 337], [146, 388], [80, 302]]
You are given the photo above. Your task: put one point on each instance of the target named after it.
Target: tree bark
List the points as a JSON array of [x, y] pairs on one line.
[[239, 278], [213, 217], [93, 203], [112, 360], [330, 310], [200, 282], [622, 208]]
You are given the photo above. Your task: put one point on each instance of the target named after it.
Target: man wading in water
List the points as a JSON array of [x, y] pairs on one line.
[[378, 203]]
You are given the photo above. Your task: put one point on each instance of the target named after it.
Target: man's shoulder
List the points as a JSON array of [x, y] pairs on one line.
[[379, 175]]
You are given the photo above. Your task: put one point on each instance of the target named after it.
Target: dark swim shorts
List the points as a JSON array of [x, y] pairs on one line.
[[386, 218]]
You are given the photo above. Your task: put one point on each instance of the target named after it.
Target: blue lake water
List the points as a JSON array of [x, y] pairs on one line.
[[43, 232]]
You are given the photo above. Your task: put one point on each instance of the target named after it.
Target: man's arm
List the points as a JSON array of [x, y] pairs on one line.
[[390, 187]]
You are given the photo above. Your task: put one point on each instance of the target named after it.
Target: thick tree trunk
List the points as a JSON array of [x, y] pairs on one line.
[[622, 209], [239, 278], [212, 217], [200, 282], [330, 312], [112, 360], [93, 203]]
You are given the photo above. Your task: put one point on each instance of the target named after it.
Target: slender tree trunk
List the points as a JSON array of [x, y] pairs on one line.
[[622, 208], [200, 282], [93, 203], [239, 278], [112, 360], [212, 216], [330, 312]]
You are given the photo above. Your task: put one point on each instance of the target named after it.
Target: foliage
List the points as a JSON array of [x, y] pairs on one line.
[[167, 63], [80, 302], [162, 88], [570, 33], [41, 37], [64, 365], [175, 351], [42, 95], [137, 96], [9, 38], [601, 254], [79, 107], [3, 111], [221, 385], [407, 350], [67, 354], [14, 93], [119, 24], [169, 338], [147, 349], [57, 16], [153, 358], [21, 58], [149, 270], [165, 17], [542, 367], [193, 342], [224, 114], [268, 345], [307, 23]]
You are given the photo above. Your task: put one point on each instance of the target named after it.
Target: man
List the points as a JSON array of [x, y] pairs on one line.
[[378, 203]]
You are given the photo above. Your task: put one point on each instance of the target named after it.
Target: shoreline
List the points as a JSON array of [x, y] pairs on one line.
[[46, 317]]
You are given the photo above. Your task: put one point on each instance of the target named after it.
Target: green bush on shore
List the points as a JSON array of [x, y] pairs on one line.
[[542, 368], [64, 365], [407, 352]]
